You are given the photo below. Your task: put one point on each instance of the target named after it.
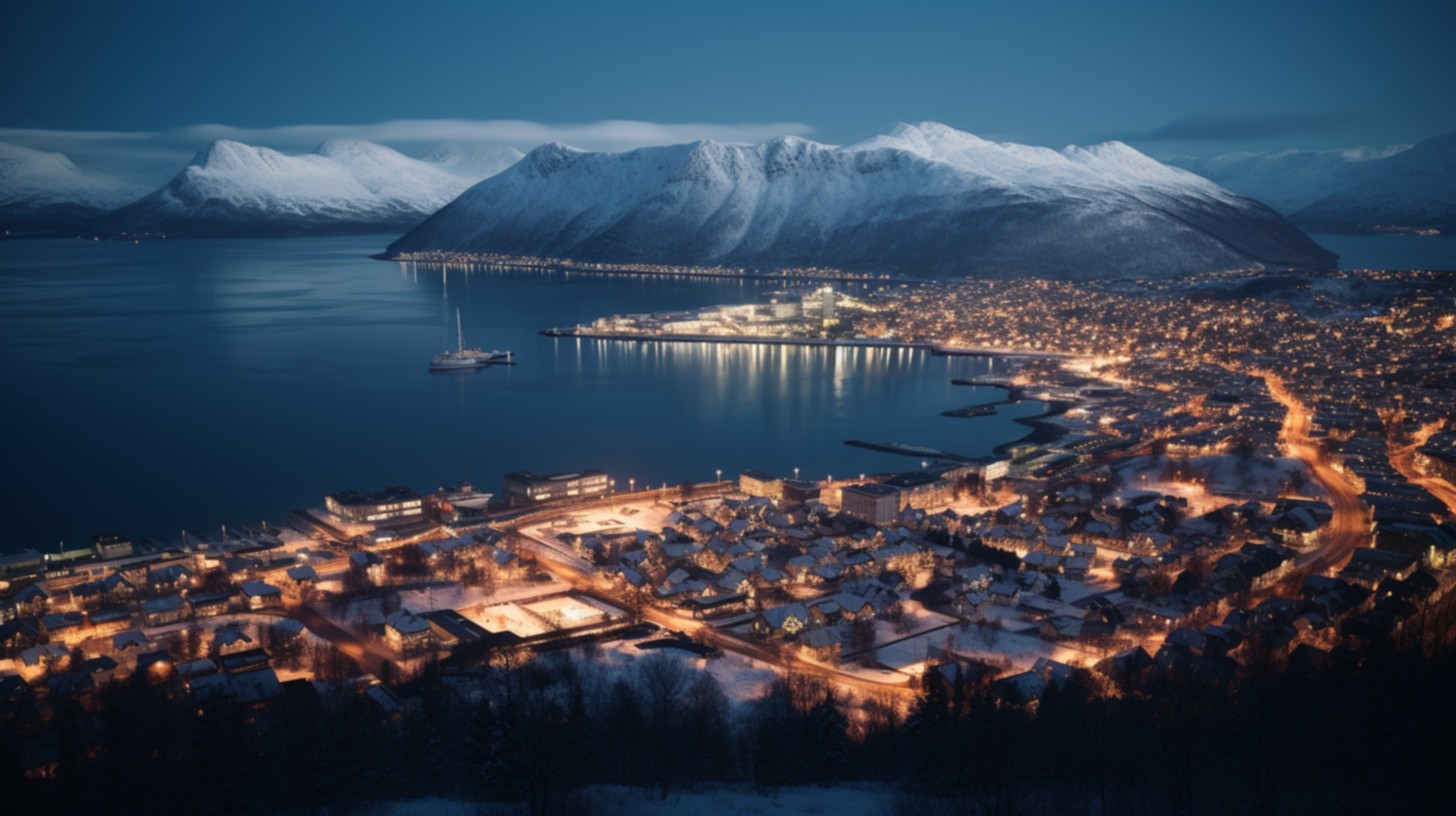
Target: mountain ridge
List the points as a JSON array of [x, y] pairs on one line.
[[1347, 189], [235, 189], [47, 191], [917, 199]]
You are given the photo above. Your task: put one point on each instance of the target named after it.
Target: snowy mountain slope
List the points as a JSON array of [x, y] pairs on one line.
[[918, 199], [471, 162], [1412, 188], [1287, 180], [46, 191], [1346, 190], [344, 186]]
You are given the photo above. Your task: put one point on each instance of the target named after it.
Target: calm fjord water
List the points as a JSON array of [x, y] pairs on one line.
[[185, 384]]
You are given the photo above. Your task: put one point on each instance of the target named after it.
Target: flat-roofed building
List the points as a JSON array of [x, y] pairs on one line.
[[111, 545], [451, 627], [923, 490], [461, 504], [798, 492], [525, 487], [870, 503], [761, 483], [21, 560], [383, 505]]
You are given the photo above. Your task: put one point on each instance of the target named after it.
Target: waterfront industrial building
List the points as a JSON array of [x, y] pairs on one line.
[[525, 487], [385, 505]]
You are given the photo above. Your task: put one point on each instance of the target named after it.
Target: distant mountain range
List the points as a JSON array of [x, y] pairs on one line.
[[344, 186], [922, 199], [918, 199], [235, 189], [43, 191], [1354, 190]]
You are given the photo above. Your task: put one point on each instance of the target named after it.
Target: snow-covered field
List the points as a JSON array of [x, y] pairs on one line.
[[1209, 476], [505, 617], [742, 678], [621, 518], [1015, 651], [530, 619], [570, 612], [468, 600]]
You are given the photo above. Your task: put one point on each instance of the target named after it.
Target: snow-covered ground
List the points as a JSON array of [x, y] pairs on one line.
[[619, 518], [540, 617], [570, 612], [742, 678], [1207, 477], [245, 621], [505, 617], [1014, 650], [470, 601]]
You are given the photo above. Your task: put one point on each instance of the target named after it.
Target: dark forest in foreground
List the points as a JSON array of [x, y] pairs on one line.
[[1359, 729]]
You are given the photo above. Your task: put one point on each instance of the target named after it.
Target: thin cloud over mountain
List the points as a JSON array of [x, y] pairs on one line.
[[1235, 127]]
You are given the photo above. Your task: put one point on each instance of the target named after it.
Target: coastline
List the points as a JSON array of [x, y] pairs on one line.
[[560, 265], [1043, 429], [938, 351]]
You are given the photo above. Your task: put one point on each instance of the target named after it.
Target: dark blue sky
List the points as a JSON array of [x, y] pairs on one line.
[[1192, 77]]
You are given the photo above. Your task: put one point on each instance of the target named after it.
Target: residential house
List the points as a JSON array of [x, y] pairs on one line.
[[406, 632], [260, 595], [781, 620], [164, 610], [823, 645]]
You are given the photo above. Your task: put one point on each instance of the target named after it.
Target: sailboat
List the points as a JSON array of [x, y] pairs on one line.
[[463, 357]]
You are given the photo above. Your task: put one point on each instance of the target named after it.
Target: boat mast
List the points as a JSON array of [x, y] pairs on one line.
[[459, 335]]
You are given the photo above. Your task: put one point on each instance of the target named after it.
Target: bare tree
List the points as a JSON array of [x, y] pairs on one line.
[[663, 679]]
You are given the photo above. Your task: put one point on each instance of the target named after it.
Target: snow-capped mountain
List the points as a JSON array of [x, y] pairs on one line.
[[1352, 189], [919, 199], [1412, 188], [471, 162], [344, 186], [1287, 180], [46, 191]]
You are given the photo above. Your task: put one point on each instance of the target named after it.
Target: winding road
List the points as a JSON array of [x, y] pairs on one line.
[[1349, 527]]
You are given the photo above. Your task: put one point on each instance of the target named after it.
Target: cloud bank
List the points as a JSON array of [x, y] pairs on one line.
[[1234, 127]]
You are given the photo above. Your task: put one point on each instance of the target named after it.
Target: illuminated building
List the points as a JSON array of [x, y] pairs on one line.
[[111, 546], [760, 483], [389, 503], [870, 503], [525, 487]]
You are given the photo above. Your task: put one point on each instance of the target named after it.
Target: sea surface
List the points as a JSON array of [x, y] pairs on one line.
[[1391, 251], [168, 385]]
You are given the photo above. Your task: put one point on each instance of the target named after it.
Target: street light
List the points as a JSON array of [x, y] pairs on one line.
[[720, 474], [631, 485], [796, 474]]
